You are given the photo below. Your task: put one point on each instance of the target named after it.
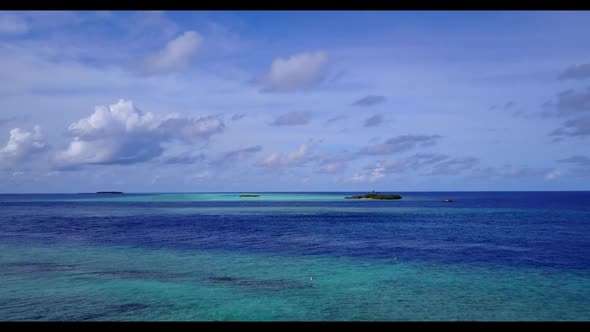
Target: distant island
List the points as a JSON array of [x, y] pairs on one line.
[[109, 192], [249, 195], [374, 195]]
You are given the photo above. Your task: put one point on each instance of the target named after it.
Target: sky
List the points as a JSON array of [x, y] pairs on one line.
[[236, 101]]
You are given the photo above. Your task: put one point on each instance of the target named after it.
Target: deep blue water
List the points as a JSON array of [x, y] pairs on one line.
[[548, 232]]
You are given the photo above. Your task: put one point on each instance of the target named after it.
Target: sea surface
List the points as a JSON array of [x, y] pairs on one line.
[[487, 256]]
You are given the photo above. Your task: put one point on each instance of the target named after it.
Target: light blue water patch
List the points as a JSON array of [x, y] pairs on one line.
[[216, 197], [199, 197]]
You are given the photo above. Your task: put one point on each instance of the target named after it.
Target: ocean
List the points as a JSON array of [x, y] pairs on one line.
[[486, 256]]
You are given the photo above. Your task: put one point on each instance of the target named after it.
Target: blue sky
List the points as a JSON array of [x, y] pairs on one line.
[[294, 101]]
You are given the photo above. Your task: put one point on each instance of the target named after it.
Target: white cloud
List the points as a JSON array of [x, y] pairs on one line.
[[374, 175], [332, 167], [201, 176], [371, 173], [552, 175], [155, 179], [122, 134], [295, 158], [22, 144], [439, 164], [177, 52], [296, 72]]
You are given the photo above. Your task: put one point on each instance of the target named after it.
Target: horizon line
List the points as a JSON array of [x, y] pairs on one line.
[[233, 192]]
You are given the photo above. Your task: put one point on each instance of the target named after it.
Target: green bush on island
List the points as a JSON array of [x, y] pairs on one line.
[[249, 195], [374, 196]]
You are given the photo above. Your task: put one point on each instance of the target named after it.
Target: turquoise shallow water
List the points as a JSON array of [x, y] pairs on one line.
[[217, 197], [216, 258], [125, 283]]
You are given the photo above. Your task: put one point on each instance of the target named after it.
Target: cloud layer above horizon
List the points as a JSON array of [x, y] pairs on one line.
[[225, 101]]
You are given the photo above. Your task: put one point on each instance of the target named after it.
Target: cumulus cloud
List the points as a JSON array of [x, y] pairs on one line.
[[400, 143], [295, 158], [22, 145], [576, 72], [122, 134], [292, 119], [370, 100], [234, 157], [374, 121], [297, 72], [12, 24], [176, 54]]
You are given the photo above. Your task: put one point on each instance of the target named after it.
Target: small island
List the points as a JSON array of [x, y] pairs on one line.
[[109, 192], [249, 195], [374, 195]]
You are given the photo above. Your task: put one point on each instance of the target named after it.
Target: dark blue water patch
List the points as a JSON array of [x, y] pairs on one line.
[[515, 228], [513, 238]]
